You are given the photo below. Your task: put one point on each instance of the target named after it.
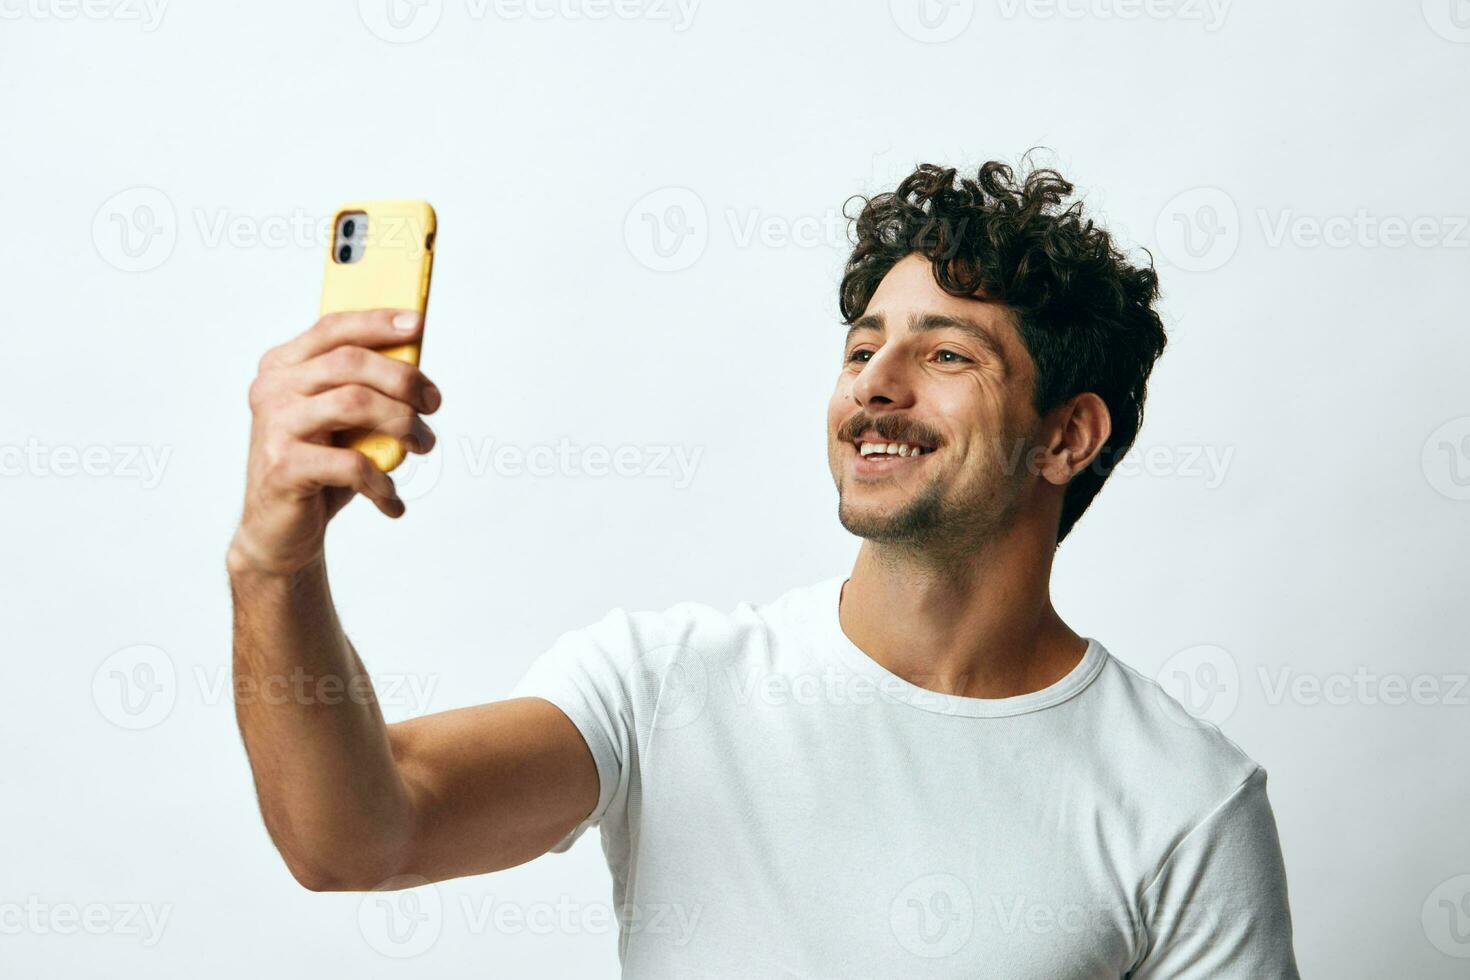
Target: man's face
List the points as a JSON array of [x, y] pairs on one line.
[[948, 380]]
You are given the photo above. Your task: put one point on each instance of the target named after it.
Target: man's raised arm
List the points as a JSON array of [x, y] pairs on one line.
[[348, 800]]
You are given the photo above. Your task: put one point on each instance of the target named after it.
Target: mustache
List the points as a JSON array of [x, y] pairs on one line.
[[894, 428]]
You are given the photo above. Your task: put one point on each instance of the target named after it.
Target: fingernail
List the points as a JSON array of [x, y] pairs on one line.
[[406, 322], [432, 398]]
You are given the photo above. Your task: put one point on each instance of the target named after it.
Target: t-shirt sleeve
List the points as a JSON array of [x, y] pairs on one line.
[[586, 673], [1218, 907]]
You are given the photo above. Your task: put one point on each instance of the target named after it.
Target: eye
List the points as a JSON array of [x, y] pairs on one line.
[[860, 355], [952, 357]]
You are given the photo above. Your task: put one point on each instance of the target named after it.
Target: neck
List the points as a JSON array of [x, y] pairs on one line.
[[981, 625]]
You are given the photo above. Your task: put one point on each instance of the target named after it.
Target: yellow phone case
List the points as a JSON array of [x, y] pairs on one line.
[[393, 273]]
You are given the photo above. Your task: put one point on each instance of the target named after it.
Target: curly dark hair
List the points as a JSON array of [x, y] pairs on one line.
[[1086, 314]]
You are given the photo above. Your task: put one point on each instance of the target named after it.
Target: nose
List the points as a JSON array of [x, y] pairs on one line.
[[884, 384]]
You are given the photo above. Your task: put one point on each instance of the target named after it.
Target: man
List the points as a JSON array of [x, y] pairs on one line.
[[915, 770]]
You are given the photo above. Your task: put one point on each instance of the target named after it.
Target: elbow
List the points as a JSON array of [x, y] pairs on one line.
[[324, 853], [337, 876], [318, 879]]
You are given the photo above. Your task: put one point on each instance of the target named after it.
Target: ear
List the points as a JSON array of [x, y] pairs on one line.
[[1077, 430]]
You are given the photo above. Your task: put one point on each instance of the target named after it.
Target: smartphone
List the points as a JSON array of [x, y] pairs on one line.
[[381, 257]]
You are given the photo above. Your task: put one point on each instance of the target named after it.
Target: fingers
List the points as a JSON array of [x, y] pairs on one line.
[[410, 430], [363, 328], [309, 468], [350, 365], [356, 406], [330, 379]]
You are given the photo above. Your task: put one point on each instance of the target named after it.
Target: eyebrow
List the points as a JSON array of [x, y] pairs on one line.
[[922, 322]]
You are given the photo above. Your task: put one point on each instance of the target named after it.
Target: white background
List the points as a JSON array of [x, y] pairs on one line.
[[1324, 375]]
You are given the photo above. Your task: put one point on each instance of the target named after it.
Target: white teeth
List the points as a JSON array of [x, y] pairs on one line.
[[889, 449]]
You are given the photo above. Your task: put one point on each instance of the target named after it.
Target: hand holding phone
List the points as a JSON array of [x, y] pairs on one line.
[[335, 408]]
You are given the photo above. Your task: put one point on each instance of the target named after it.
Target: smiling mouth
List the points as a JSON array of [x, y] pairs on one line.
[[871, 447], [875, 460]]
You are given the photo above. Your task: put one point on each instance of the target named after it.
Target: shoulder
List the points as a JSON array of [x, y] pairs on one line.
[[1179, 768], [634, 670], [642, 644]]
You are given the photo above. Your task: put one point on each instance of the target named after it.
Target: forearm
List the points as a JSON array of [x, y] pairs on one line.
[[330, 793]]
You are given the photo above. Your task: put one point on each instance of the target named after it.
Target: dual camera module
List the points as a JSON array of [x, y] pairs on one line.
[[351, 240]]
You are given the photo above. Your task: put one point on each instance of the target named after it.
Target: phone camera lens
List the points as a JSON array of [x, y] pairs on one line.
[[349, 228], [344, 254]]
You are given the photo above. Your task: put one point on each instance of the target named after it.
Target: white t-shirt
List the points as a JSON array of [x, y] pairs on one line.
[[774, 803]]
